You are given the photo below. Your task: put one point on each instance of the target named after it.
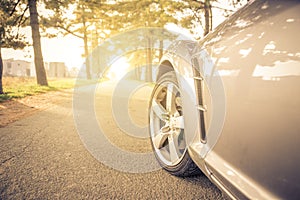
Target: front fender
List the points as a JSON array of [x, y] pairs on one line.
[[185, 57]]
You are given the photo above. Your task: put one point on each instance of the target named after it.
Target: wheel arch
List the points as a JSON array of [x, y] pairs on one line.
[[164, 67]]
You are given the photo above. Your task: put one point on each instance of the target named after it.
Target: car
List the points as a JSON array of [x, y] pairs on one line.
[[228, 106]]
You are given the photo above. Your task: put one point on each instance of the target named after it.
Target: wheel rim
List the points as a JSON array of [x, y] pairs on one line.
[[167, 124]]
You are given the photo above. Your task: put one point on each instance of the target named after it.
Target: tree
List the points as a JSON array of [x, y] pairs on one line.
[[197, 15], [36, 39], [146, 13], [10, 21], [85, 17], [106, 18], [24, 5], [97, 20]]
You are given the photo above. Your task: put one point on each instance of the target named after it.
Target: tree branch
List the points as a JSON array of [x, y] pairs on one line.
[[69, 31], [14, 8], [230, 10], [200, 2], [22, 16]]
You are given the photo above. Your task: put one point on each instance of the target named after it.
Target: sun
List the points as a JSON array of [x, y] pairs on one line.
[[118, 69]]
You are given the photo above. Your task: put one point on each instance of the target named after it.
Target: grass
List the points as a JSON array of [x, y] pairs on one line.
[[19, 87]]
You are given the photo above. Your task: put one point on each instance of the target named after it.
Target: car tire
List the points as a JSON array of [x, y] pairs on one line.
[[167, 128]]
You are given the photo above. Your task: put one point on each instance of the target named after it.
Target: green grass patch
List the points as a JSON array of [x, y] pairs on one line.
[[19, 87]]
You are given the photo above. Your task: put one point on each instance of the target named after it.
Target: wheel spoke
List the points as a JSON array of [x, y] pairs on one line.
[[159, 110], [161, 137], [173, 147], [170, 99]]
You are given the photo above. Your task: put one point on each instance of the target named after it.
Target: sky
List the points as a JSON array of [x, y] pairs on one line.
[[67, 49]]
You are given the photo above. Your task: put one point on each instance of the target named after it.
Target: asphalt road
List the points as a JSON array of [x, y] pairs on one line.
[[43, 157]]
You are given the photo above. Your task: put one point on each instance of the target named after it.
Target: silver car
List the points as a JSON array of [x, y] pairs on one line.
[[229, 105]]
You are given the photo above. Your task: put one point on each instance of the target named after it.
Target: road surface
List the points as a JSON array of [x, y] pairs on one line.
[[43, 157]]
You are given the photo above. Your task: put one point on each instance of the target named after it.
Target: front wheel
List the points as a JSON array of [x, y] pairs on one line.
[[167, 133]]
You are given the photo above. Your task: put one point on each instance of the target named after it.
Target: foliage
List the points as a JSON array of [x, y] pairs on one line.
[[93, 21], [13, 16], [11, 19]]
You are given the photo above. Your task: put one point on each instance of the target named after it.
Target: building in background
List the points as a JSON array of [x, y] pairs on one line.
[[56, 69], [23, 68], [13, 67]]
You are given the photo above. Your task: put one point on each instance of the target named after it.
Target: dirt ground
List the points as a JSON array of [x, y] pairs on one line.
[[15, 109]]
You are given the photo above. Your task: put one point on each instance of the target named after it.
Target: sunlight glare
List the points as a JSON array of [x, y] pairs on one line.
[[118, 69]]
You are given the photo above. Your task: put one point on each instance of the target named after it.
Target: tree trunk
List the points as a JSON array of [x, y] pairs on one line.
[[149, 60], [161, 49], [210, 18], [36, 38], [86, 49], [87, 60], [1, 72], [207, 16]]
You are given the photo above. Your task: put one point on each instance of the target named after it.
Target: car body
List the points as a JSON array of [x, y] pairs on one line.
[[239, 91]]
